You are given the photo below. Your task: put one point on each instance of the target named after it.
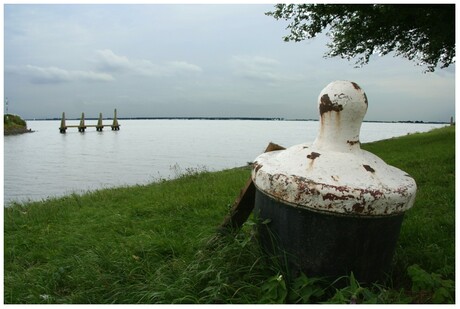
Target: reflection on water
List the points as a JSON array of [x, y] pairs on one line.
[[46, 163]]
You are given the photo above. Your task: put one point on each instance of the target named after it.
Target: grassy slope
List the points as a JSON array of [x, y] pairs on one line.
[[13, 124], [428, 231], [13, 121], [147, 243], [104, 242]]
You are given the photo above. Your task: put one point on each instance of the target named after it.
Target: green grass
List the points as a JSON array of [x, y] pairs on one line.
[[428, 231], [150, 244], [10, 120], [13, 124]]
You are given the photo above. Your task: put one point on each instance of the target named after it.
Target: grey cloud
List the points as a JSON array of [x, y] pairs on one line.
[[55, 75], [107, 60]]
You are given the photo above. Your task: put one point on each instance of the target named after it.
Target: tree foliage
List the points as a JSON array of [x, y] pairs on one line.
[[421, 32]]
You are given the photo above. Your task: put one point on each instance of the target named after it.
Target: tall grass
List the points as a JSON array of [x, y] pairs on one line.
[[151, 244], [99, 247]]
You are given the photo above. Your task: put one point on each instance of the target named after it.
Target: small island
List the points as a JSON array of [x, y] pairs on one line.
[[13, 125]]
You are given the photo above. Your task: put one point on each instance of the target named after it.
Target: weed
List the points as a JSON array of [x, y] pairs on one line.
[[274, 290], [430, 287], [306, 290]]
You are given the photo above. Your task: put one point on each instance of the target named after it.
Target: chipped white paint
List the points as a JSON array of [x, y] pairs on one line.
[[334, 174]]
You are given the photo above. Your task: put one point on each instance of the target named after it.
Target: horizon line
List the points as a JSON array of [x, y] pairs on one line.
[[234, 118]]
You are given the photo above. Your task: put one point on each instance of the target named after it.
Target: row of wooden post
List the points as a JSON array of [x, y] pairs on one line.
[[82, 126]]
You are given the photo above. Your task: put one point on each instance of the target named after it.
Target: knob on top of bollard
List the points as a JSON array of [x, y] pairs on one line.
[[342, 106], [334, 174]]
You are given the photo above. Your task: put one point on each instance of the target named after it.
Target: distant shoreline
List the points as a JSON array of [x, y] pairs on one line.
[[237, 118]]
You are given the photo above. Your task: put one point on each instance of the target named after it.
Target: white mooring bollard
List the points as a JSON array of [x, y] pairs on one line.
[[333, 208]]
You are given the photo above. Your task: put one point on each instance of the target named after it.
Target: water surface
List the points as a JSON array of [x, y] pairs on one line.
[[46, 163]]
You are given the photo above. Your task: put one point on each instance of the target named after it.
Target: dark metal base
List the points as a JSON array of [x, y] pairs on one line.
[[327, 245]]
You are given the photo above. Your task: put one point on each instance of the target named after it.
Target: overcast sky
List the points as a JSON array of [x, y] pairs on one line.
[[155, 60]]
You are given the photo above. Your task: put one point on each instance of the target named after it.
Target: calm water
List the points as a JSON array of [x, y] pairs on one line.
[[46, 163]]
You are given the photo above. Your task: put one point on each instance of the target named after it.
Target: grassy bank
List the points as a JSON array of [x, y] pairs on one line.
[[13, 124], [149, 244]]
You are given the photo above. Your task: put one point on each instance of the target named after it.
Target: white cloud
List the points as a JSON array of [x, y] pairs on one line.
[[107, 64], [107, 60], [262, 68], [55, 75], [182, 67]]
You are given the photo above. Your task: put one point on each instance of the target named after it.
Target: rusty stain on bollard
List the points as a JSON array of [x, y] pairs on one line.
[[330, 182], [313, 155]]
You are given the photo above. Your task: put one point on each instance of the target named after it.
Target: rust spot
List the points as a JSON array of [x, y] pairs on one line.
[[358, 207], [333, 197], [368, 168], [339, 188], [370, 208], [402, 191], [326, 105], [355, 85], [353, 142], [376, 194], [313, 155], [258, 167], [304, 187]]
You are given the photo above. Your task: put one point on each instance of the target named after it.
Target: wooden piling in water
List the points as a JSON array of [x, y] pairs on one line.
[[99, 125], [115, 126], [82, 126], [63, 127]]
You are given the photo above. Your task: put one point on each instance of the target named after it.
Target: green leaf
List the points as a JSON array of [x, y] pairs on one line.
[[441, 295], [305, 289], [274, 290]]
